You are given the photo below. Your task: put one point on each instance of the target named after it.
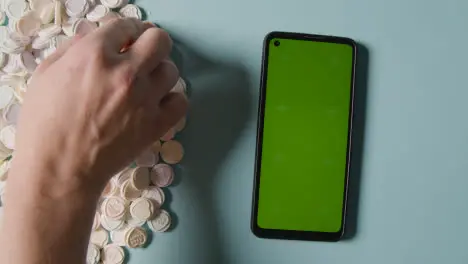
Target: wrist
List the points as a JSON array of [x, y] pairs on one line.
[[42, 178], [51, 222]]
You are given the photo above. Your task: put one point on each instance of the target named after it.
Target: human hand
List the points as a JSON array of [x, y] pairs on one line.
[[90, 109]]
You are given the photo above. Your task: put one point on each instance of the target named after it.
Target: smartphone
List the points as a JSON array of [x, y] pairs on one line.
[[303, 137]]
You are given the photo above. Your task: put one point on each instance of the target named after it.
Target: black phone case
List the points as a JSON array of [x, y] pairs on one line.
[[297, 234]]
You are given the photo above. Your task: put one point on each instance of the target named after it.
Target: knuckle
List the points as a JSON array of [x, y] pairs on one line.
[[158, 38], [162, 36], [114, 23], [133, 24], [127, 26]]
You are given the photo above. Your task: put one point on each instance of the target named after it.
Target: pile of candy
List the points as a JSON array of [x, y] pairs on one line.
[[131, 203]]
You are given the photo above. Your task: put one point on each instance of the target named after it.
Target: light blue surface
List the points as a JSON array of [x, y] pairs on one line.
[[413, 198]]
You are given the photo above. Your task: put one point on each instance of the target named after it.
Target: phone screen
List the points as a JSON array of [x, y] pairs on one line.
[[303, 162]]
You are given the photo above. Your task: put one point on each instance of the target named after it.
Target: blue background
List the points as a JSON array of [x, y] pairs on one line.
[[413, 199]]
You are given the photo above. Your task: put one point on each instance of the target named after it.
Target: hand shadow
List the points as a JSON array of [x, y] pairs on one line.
[[357, 151], [220, 106]]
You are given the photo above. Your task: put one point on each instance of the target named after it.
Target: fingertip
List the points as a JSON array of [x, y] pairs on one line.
[[168, 38], [165, 76], [171, 71], [120, 32], [153, 46]]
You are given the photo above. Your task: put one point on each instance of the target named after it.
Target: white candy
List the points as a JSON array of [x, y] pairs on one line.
[[142, 209], [162, 175], [147, 159], [76, 8], [130, 11], [140, 179], [39, 5], [47, 13], [135, 237], [83, 27], [109, 17], [99, 238], [93, 255], [133, 222], [172, 152], [13, 65], [113, 254], [4, 167], [47, 51], [57, 41], [97, 13], [96, 221], [182, 82], [20, 39], [67, 26], [118, 236], [2, 190], [49, 31], [14, 81], [123, 176], [3, 59], [19, 92], [39, 43], [15, 8], [6, 95], [128, 192], [29, 24], [4, 152], [8, 136], [180, 86], [161, 223], [27, 61], [114, 3], [58, 7], [8, 45], [11, 25], [180, 125], [156, 194], [11, 113], [114, 208], [109, 190], [110, 224], [4, 31]]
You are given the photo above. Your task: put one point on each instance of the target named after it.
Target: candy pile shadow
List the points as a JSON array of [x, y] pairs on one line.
[[220, 105]]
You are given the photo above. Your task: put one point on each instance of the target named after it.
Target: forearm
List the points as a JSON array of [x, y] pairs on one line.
[[44, 228]]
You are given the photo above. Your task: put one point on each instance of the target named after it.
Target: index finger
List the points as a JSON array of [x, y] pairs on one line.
[[120, 32]]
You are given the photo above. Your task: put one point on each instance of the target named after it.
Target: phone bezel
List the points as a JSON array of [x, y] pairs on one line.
[[289, 234]]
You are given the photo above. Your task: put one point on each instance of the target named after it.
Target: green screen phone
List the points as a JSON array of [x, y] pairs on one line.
[[304, 137]]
